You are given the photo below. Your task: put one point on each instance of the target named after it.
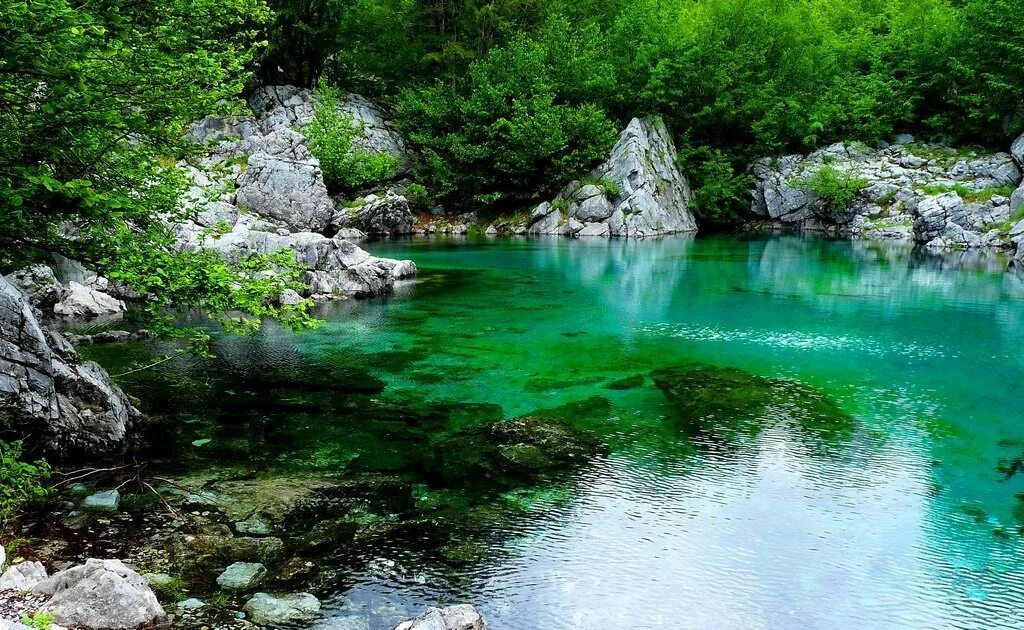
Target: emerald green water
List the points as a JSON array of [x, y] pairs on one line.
[[900, 510]]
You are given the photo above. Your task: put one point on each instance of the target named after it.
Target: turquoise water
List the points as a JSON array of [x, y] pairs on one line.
[[906, 512]]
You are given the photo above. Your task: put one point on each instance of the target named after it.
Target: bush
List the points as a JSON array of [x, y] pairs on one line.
[[418, 196], [836, 187], [333, 138], [721, 195], [21, 483]]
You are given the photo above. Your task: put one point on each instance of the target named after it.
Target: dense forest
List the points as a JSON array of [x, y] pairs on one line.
[[503, 101]]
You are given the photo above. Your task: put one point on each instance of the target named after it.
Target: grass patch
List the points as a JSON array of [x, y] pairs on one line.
[[941, 156], [967, 194]]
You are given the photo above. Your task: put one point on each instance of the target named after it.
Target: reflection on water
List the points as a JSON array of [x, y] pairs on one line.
[[797, 433]]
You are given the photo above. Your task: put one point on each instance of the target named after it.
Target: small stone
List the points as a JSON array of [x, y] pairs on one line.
[[269, 610], [191, 604], [253, 526], [242, 576], [106, 501], [460, 617]]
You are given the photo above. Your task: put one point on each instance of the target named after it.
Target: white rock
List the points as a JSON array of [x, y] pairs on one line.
[[643, 194], [81, 301], [270, 610], [459, 617], [100, 594], [22, 576]]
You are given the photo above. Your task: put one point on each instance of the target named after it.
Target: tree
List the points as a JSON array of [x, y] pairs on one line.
[[94, 100]]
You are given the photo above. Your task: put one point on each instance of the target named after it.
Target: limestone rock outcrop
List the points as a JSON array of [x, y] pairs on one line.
[[387, 215], [69, 407], [636, 192], [931, 195], [260, 189]]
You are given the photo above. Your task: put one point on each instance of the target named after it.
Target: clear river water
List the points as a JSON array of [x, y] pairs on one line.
[[839, 449]]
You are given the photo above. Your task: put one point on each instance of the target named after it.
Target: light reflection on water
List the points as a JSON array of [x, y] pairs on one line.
[[902, 522]]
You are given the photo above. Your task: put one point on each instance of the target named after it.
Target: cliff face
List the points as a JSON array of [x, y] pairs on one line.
[[636, 192], [931, 195]]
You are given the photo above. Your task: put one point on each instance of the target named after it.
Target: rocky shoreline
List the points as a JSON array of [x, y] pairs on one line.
[[257, 189]]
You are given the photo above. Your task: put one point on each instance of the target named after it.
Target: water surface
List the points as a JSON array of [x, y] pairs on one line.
[[909, 515]]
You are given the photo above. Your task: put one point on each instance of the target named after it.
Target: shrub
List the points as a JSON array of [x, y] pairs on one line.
[[333, 138], [21, 483], [836, 187], [39, 620], [721, 195], [418, 196]]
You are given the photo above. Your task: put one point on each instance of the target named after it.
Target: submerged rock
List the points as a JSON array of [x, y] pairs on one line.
[[729, 404], [101, 594], [509, 452], [638, 191], [242, 576], [458, 617], [265, 609], [106, 501]]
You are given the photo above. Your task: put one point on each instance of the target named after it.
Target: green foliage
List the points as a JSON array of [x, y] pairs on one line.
[[333, 137], [39, 620], [721, 192], [520, 124], [22, 483], [608, 187], [966, 193], [418, 196], [93, 101], [837, 187]]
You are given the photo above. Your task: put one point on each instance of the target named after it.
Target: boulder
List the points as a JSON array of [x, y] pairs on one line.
[[242, 576], [46, 393], [101, 594], [459, 617], [270, 610], [40, 285], [213, 129], [334, 266], [83, 301], [389, 215], [193, 554], [1017, 199], [106, 501], [636, 192], [1017, 150], [22, 576], [286, 190]]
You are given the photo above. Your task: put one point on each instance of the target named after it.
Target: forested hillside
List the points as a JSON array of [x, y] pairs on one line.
[[508, 99]]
